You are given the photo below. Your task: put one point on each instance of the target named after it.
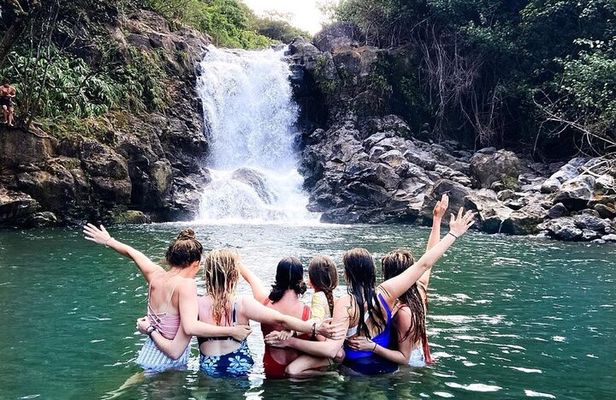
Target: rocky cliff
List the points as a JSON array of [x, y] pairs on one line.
[[364, 163], [128, 167]]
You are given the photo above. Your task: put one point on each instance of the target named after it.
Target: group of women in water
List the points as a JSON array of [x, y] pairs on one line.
[[372, 329]]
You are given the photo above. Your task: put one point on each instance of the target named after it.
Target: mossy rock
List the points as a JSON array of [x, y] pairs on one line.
[[130, 217]]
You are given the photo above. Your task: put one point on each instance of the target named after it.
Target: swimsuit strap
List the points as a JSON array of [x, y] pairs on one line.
[[234, 313], [306, 313], [385, 306]]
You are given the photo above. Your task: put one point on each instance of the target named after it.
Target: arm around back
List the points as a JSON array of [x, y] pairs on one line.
[[189, 312]]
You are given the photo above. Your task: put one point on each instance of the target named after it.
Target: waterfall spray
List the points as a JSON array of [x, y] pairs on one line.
[[250, 123]]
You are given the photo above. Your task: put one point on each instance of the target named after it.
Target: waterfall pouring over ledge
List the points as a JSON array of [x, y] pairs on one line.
[[250, 117]]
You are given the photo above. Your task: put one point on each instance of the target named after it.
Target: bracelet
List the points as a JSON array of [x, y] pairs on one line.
[[150, 331], [374, 349], [314, 329], [107, 241], [449, 233]]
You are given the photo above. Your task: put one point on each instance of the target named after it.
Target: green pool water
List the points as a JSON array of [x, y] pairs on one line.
[[509, 317]]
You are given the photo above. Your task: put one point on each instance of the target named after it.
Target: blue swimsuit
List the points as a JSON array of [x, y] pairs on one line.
[[234, 364], [366, 362]]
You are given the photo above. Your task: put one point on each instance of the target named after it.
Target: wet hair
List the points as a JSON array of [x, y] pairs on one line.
[[393, 264], [289, 276], [324, 277], [361, 280], [221, 274], [185, 250], [5, 81]]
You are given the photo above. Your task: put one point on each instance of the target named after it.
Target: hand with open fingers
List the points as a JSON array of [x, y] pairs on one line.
[[458, 225], [441, 206], [241, 332], [331, 330], [273, 339], [142, 325], [360, 343], [97, 235]]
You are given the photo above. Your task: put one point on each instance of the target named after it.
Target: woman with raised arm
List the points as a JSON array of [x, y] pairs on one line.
[[224, 355], [366, 310], [410, 310], [172, 298]]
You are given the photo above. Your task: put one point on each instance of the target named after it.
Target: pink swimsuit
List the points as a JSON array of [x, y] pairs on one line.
[[150, 358]]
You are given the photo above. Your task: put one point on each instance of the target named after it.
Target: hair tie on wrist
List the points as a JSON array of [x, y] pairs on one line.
[[449, 233], [374, 348]]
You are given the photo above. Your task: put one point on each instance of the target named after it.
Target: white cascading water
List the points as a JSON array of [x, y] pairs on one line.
[[250, 116]]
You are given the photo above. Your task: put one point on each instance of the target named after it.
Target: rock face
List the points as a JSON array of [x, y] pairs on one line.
[[363, 163], [138, 168]]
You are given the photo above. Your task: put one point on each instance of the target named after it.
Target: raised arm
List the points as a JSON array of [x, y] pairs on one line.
[[101, 236], [259, 291], [256, 311], [189, 311], [394, 287], [327, 348], [172, 348], [402, 355], [435, 236]]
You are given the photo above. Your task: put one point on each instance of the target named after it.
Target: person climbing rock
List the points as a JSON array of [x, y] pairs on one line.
[[7, 94]]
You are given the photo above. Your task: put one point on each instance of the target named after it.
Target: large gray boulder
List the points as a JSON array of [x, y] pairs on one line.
[[501, 166], [491, 212], [582, 227], [566, 172], [576, 193], [457, 197], [524, 221]]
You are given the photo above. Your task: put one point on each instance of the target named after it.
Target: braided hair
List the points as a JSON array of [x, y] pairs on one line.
[[324, 277]]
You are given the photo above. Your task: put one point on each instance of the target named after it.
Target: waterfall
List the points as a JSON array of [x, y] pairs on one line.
[[250, 123]]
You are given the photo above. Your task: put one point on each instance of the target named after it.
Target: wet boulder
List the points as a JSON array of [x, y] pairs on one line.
[[15, 205], [257, 181]]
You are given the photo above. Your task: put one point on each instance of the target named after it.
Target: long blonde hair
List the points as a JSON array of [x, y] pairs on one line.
[[221, 276]]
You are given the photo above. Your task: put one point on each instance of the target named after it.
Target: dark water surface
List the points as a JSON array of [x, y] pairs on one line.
[[509, 317]]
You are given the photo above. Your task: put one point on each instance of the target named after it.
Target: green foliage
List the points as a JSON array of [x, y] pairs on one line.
[[278, 29], [230, 23], [62, 86], [499, 55]]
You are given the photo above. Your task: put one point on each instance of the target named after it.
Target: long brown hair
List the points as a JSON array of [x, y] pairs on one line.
[[393, 264], [324, 277], [221, 275], [361, 280], [184, 250]]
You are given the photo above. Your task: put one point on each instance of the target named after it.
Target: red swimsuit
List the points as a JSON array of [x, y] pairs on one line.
[[273, 368]]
